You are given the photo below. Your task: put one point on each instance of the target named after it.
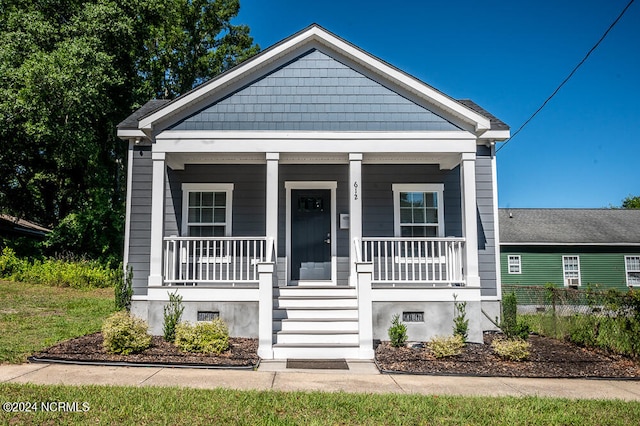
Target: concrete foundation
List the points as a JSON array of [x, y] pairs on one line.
[[241, 317], [438, 319], [492, 309]]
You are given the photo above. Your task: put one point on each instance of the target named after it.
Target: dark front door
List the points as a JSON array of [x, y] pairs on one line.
[[310, 234]]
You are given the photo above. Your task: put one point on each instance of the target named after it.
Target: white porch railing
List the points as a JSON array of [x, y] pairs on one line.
[[431, 261], [209, 260]]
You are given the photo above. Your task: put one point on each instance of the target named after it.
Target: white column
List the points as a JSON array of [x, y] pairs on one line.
[[157, 218], [355, 210], [127, 215], [272, 198], [365, 310], [469, 218], [265, 310]]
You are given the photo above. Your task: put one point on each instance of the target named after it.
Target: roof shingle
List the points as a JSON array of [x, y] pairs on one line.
[[569, 226]]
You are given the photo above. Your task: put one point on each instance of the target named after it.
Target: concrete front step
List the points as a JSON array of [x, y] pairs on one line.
[[315, 291], [327, 312], [315, 324], [316, 337], [285, 302], [283, 351]]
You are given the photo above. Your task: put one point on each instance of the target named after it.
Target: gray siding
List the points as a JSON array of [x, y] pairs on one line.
[[315, 92], [248, 205], [140, 220], [486, 222], [377, 195]]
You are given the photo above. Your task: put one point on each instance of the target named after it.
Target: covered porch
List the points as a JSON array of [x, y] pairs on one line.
[[292, 309]]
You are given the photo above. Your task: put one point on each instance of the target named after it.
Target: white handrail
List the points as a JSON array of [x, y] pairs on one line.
[[208, 260], [433, 261]]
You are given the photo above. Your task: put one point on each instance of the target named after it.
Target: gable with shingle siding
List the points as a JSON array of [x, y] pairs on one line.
[[315, 92]]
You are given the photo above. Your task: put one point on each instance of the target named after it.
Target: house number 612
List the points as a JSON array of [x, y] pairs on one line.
[[355, 190]]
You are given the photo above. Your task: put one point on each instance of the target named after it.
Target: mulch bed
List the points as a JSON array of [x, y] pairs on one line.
[[242, 353], [548, 358]]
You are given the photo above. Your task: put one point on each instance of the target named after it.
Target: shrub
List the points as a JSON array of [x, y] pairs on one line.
[[460, 321], [445, 346], [10, 264], [57, 272], [123, 290], [124, 334], [583, 330], [211, 337], [511, 349], [397, 332], [172, 314], [510, 325]]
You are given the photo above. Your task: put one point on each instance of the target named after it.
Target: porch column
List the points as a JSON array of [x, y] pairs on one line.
[[265, 310], [272, 198], [355, 211], [470, 220], [157, 218], [365, 310]]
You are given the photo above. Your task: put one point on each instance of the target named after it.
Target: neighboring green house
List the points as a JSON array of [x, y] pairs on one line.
[[577, 248]]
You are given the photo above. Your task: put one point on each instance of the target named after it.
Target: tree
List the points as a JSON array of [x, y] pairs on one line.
[[70, 70], [631, 202], [195, 43]]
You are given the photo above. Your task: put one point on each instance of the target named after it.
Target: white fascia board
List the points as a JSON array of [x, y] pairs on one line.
[[480, 122], [212, 135], [496, 135], [131, 134]]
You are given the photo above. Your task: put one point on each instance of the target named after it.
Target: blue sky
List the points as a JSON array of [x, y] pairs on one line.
[[581, 151]]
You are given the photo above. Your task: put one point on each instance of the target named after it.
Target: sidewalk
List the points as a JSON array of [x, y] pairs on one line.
[[362, 377]]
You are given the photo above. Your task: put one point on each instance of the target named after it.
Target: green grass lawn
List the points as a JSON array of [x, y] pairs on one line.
[[33, 317], [179, 406]]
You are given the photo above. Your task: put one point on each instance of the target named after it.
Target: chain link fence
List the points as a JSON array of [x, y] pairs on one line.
[[608, 319], [560, 301]]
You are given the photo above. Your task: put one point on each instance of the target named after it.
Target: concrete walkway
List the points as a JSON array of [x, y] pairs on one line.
[[362, 377]]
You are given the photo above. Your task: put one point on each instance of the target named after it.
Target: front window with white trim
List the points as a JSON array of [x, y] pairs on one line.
[[418, 210], [515, 265], [206, 209], [571, 270], [632, 267]]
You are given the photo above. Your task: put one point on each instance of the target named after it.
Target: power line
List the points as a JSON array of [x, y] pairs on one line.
[[568, 77]]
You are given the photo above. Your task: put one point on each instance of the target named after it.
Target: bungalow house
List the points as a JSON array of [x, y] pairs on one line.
[[577, 248], [308, 195]]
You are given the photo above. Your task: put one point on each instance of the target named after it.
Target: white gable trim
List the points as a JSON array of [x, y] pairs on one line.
[[319, 35]]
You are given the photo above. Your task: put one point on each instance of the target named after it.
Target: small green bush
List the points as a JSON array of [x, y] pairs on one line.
[[211, 337], [123, 289], [445, 346], [510, 325], [397, 332], [460, 321], [124, 334], [511, 349], [172, 314]]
